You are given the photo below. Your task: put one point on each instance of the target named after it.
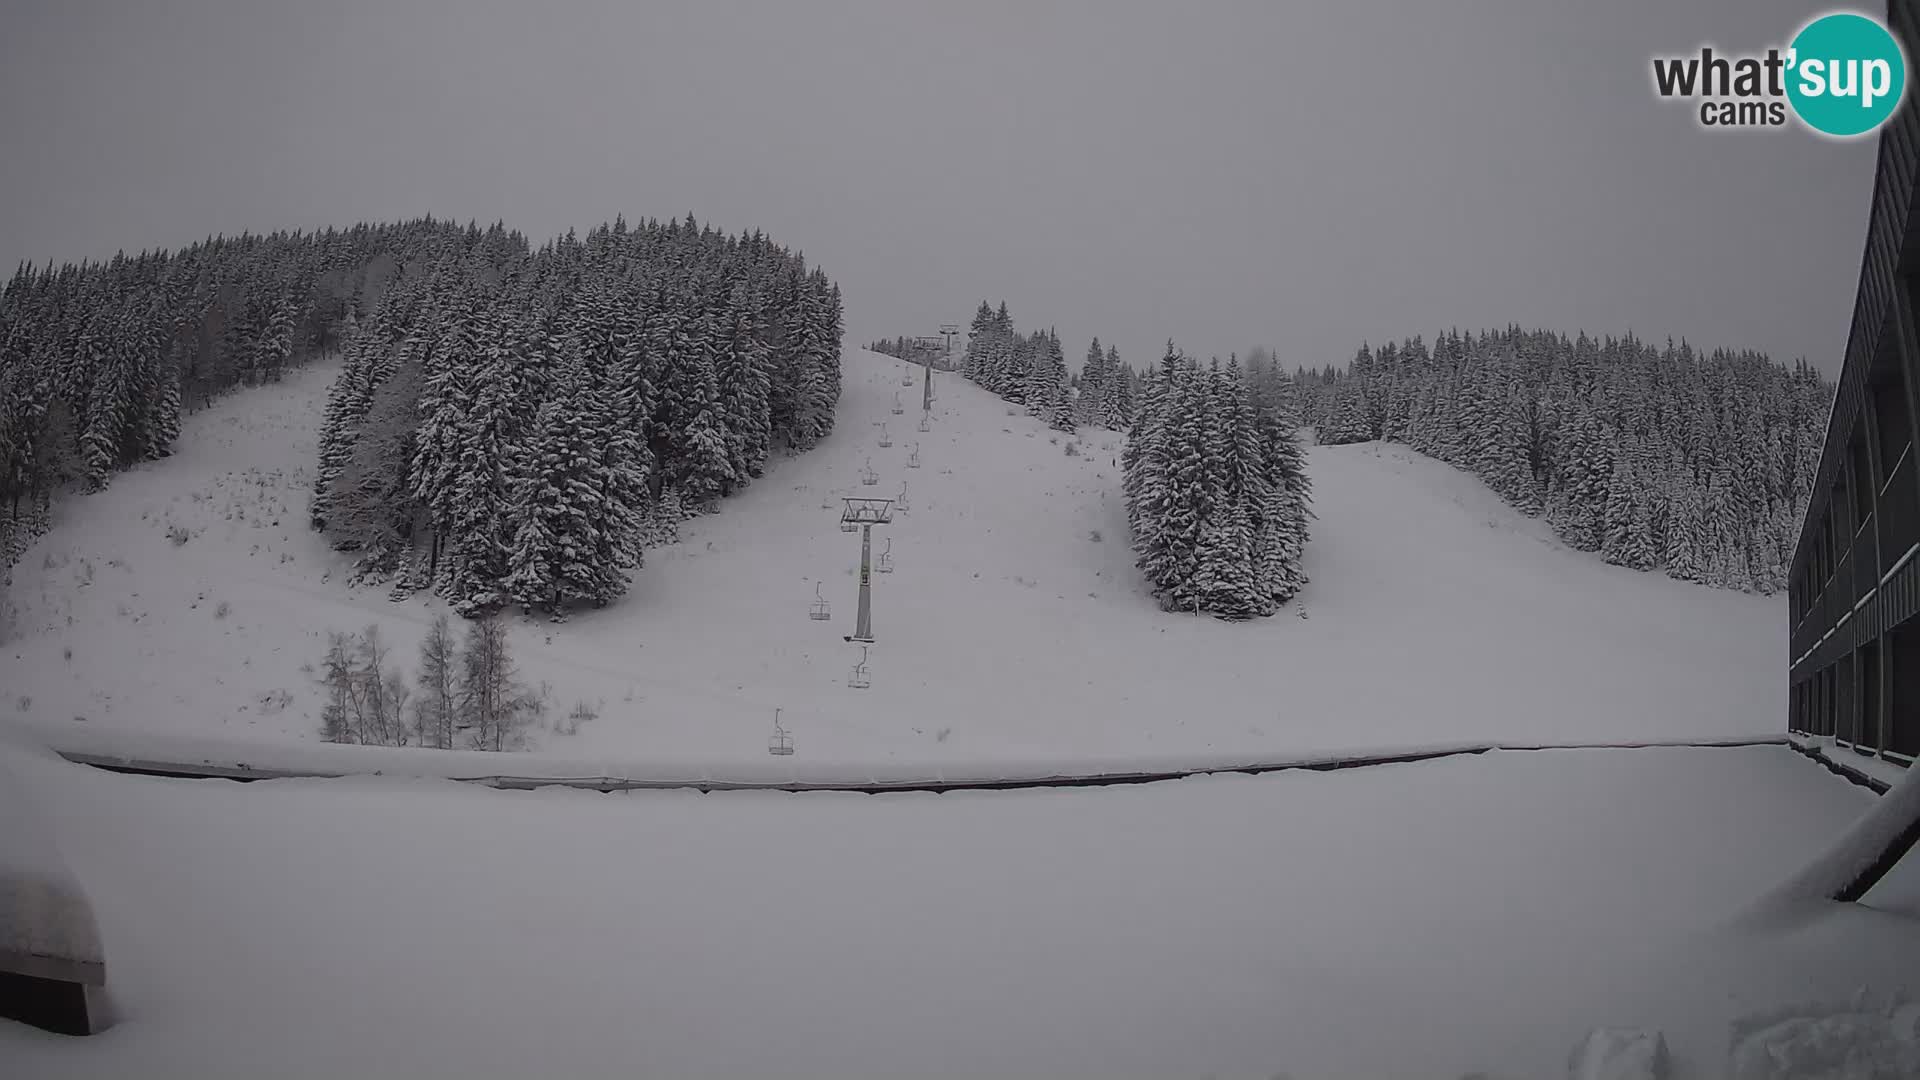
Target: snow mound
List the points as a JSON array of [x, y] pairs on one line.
[[190, 598], [47, 928], [1620, 1054], [1853, 1042]]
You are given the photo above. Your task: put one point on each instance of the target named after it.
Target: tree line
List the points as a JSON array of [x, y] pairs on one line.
[[912, 351], [1031, 370], [514, 426], [1698, 465], [1216, 487]]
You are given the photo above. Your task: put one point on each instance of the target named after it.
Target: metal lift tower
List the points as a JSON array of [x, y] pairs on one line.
[[865, 513]]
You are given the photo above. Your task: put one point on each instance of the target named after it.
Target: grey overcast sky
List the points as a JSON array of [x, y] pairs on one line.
[[1225, 174]]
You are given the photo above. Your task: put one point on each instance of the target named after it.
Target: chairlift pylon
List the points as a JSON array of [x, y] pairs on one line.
[[781, 744], [819, 610]]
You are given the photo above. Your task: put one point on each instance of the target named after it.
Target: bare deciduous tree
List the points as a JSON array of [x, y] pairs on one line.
[[437, 710], [494, 706]]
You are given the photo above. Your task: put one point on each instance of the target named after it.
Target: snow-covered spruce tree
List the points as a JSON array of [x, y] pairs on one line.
[[973, 356], [555, 504], [1114, 405], [1093, 386], [1056, 396], [1147, 479]]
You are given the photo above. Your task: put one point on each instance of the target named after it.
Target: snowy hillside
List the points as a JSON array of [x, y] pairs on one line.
[[190, 597]]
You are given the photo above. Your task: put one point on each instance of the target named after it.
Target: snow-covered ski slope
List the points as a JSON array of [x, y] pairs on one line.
[[190, 596]]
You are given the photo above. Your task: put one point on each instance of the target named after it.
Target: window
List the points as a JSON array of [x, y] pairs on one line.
[[1869, 726], [1845, 716], [1887, 397], [1863, 479], [1903, 697]]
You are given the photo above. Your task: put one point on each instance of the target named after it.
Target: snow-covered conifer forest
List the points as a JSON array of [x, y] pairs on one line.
[[1217, 489], [1698, 465], [509, 425], [1031, 370]]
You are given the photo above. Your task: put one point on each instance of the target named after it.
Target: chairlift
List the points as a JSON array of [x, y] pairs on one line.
[[885, 439], [884, 564], [926, 421], [913, 459], [867, 476], [819, 611], [782, 742], [858, 678], [906, 377], [897, 407], [901, 502]]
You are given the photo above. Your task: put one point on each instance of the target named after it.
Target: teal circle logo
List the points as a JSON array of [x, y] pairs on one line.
[[1846, 74]]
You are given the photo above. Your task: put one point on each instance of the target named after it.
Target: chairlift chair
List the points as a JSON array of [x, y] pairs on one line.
[[913, 459], [897, 407], [884, 564], [819, 611], [781, 744], [901, 502], [906, 379], [885, 439], [926, 421], [858, 678], [867, 476]]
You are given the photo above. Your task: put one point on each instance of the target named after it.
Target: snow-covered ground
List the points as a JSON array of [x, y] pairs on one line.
[[1431, 920], [1014, 627]]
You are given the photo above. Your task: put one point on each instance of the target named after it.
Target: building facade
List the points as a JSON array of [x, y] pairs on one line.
[[1854, 590]]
